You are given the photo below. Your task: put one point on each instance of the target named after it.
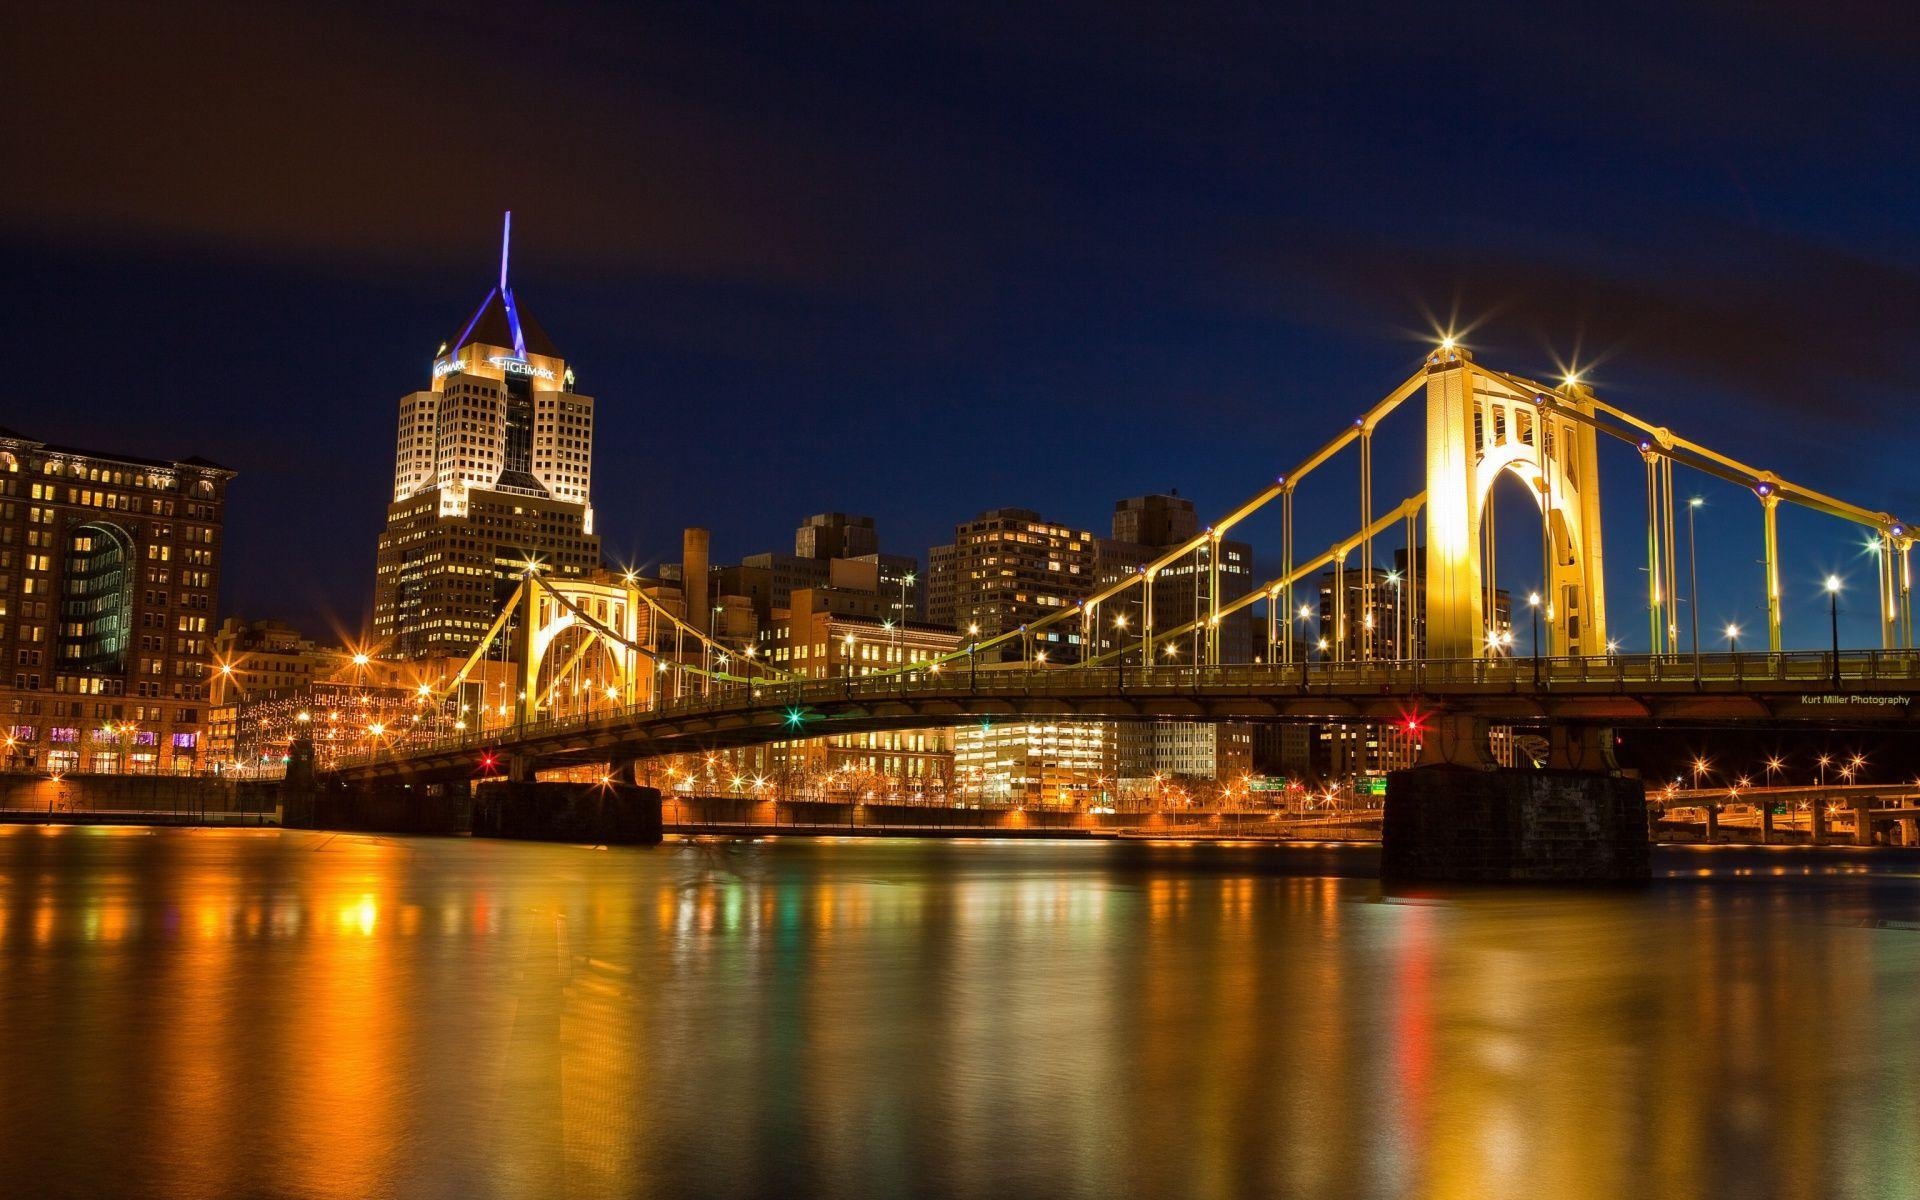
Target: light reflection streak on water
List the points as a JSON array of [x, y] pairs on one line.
[[352, 1016]]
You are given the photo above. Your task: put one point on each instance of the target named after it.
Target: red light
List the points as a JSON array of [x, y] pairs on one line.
[[486, 762]]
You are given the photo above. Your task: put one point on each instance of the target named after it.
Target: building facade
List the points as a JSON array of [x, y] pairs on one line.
[[492, 470], [1006, 568], [835, 633], [1050, 764], [109, 578]]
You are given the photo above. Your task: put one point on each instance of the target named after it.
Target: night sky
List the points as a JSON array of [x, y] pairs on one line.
[[919, 261]]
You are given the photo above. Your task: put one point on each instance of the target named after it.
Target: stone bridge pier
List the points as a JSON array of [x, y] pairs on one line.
[[516, 804], [1459, 817]]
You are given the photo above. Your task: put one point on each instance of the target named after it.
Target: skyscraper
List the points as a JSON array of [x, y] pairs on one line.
[[491, 471]]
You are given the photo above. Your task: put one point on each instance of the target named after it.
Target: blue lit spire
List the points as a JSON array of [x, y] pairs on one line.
[[506, 239], [506, 293], [499, 320]]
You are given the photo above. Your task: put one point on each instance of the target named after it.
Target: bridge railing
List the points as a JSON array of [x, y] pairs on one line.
[[1814, 670]]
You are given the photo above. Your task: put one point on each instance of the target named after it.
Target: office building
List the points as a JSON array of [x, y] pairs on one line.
[[836, 535], [1052, 764], [1009, 567], [492, 470], [109, 574], [1155, 520]]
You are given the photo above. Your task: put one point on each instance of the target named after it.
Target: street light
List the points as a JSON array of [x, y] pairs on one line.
[[1693, 588], [1833, 614], [1400, 648], [973, 657], [1700, 766], [1533, 606], [1733, 638]]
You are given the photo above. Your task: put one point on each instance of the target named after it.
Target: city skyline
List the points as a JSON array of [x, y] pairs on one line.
[[959, 600]]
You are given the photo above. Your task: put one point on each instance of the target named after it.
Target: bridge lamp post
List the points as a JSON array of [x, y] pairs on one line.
[[1120, 627], [973, 647], [1700, 766], [1733, 638], [1833, 616], [1533, 606], [1693, 586], [1400, 647]]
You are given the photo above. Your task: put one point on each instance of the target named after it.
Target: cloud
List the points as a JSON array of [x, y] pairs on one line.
[[1798, 325], [375, 137]]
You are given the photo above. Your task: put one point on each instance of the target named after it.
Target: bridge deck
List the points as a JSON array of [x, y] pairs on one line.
[[1876, 689]]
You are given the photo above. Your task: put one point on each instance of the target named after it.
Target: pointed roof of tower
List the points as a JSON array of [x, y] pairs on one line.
[[501, 321]]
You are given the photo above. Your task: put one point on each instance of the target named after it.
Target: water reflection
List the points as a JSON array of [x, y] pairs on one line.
[[251, 1012]]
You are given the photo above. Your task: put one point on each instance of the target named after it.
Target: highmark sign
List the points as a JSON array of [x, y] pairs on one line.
[[519, 366], [507, 363]]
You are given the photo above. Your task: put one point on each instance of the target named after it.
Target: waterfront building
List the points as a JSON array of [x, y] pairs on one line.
[[1054, 764], [492, 470], [109, 574], [1192, 750], [251, 659], [845, 633]]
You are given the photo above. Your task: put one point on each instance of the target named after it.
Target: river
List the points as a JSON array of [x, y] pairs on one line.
[[189, 1013]]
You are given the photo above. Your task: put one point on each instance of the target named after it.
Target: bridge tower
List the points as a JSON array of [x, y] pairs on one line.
[[575, 631], [1479, 427]]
